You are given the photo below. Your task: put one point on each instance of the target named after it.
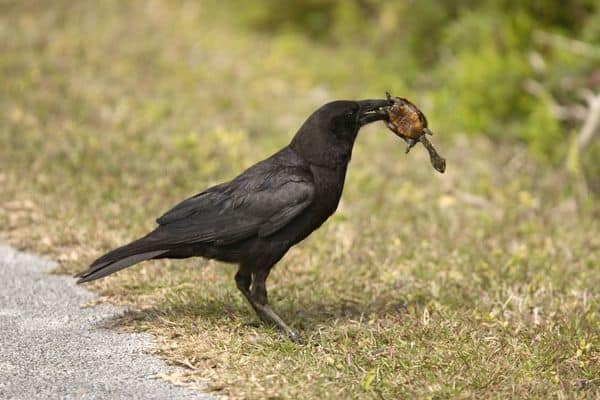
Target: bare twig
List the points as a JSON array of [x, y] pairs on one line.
[[592, 121], [575, 112], [575, 46], [570, 112]]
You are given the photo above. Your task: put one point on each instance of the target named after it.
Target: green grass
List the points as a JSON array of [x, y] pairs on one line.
[[479, 283]]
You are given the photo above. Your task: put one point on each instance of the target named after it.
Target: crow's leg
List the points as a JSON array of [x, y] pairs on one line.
[[258, 300], [259, 295], [243, 281]]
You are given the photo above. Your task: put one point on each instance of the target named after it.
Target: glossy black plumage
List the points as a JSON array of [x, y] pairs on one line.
[[256, 217]]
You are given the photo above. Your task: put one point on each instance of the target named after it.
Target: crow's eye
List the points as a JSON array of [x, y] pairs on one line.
[[349, 114]]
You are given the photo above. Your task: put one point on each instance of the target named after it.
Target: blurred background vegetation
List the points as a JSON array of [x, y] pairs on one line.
[[527, 71], [507, 70]]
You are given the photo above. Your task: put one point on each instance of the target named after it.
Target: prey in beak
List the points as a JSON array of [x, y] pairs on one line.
[[404, 119], [409, 123], [373, 110]]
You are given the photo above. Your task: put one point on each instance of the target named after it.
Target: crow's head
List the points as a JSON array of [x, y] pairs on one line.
[[327, 136], [344, 117]]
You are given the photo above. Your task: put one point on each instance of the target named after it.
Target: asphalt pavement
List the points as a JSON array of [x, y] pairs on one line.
[[51, 348]]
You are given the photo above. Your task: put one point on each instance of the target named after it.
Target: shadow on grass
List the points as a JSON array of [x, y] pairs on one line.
[[305, 315]]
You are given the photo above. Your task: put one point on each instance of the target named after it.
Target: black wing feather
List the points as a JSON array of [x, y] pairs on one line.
[[253, 204]]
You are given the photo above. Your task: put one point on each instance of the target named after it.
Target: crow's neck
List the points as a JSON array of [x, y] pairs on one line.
[[323, 148], [333, 158]]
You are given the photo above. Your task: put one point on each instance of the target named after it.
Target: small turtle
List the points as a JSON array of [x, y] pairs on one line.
[[409, 123]]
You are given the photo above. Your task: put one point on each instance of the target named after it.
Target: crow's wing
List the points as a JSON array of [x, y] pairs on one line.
[[247, 206]]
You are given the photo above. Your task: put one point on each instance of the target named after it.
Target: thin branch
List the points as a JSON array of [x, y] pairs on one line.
[[575, 46], [575, 112], [592, 121]]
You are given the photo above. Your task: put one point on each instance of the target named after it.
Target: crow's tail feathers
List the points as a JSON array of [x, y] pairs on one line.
[[123, 257]]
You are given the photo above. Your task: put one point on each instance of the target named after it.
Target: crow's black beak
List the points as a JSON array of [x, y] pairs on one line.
[[373, 110]]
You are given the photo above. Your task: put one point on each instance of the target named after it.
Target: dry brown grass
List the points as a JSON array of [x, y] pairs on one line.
[[479, 283]]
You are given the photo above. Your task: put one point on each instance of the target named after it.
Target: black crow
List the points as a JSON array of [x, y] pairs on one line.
[[255, 218]]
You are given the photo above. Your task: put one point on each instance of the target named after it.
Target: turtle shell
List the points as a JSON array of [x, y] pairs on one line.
[[405, 119]]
